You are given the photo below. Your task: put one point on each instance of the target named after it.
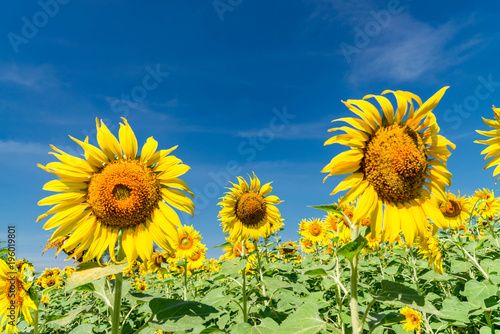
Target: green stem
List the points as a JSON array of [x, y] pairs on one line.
[[474, 261], [261, 276], [354, 285], [115, 319], [35, 316], [185, 280], [243, 286], [243, 289]]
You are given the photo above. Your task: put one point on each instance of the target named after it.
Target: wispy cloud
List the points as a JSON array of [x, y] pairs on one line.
[[28, 76], [400, 49], [311, 130], [11, 146], [410, 49]]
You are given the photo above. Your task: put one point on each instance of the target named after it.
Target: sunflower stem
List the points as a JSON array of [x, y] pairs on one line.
[[354, 285], [243, 286], [115, 320], [35, 316], [185, 279], [261, 276]]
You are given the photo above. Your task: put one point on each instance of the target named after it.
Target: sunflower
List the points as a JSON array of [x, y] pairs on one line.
[[331, 221], [288, 249], [455, 209], [307, 245], [114, 189], [392, 160], [247, 212], [156, 260], [493, 149], [196, 261], [188, 242], [14, 296], [235, 249], [413, 319], [430, 248], [487, 209], [314, 230]]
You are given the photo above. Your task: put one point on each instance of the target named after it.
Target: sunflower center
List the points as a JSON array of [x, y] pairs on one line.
[[251, 208], [186, 243], [123, 193], [451, 209], [315, 230], [196, 256], [395, 163]]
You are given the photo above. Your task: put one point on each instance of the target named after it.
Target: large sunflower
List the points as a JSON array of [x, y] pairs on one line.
[[493, 149], [247, 212], [14, 297], [396, 164], [115, 189]]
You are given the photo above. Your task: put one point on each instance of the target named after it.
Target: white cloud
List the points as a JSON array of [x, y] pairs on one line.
[[11, 146], [28, 76], [311, 130], [409, 49]]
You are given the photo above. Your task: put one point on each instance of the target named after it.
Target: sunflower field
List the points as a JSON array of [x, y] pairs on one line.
[[396, 253]]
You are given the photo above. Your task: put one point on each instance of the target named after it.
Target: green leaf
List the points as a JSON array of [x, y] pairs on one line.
[[226, 244], [216, 298], [375, 320], [66, 320], [486, 330], [304, 320], [274, 283], [455, 310], [92, 274], [477, 292], [209, 330], [316, 272], [233, 266], [327, 207], [354, 247], [82, 329], [178, 315], [402, 295], [267, 325]]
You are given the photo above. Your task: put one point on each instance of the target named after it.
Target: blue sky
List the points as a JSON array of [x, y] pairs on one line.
[[239, 85]]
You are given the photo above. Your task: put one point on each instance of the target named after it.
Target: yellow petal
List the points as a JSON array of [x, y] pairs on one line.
[[148, 149], [344, 163], [127, 140], [178, 200], [350, 181], [386, 105], [107, 141], [129, 243], [61, 198]]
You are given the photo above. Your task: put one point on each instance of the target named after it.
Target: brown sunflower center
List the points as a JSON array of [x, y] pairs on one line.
[[186, 243], [451, 208], [196, 256], [124, 193], [288, 249], [395, 163], [251, 208], [315, 230]]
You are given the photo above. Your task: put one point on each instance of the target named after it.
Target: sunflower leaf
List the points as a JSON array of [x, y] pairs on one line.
[[81, 277], [178, 315], [354, 247], [327, 207], [306, 319]]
